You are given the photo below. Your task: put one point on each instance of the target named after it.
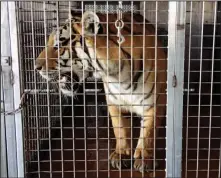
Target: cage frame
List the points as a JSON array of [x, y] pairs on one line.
[[13, 123], [175, 90]]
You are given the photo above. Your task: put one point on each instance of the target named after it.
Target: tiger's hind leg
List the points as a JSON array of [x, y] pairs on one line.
[[121, 156], [144, 151]]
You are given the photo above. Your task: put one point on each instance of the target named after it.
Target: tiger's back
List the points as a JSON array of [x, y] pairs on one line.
[[132, 71]]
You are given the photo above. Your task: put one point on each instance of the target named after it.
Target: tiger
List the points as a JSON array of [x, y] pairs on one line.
[[133, 74]]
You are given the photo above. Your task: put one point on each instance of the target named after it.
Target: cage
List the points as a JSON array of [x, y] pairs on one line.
[[45, 133]]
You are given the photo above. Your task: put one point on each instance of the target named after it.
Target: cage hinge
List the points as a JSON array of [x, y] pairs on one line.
[[6, 70], [174, 83]]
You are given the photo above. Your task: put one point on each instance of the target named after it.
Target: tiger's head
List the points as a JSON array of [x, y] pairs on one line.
[[63, 55]]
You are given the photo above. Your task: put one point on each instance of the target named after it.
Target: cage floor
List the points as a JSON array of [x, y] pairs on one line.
[[77, 168]]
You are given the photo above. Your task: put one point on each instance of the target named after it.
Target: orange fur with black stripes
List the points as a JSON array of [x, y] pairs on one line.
[[134, 76]]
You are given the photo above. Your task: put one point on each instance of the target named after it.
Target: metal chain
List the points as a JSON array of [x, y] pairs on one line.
[[21, 105], [119, 24]]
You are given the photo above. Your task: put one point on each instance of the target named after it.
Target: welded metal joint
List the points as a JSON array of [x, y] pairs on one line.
[[174, 82]]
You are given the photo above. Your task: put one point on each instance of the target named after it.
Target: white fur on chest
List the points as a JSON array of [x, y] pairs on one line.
[[128, 99]]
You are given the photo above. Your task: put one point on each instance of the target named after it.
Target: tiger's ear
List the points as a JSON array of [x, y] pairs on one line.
[[91, 23]]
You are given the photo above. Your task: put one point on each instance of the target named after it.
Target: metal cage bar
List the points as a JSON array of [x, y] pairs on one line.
[[211, 88], [16, 87], [176, 36]]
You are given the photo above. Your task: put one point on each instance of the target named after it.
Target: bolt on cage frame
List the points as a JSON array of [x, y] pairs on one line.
[[13, 163]]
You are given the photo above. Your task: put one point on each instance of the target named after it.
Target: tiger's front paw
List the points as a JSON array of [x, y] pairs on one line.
[[142, 165], [120, 160], [143, 162]]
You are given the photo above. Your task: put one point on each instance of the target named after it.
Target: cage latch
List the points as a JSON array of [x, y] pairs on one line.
[[6, 60]]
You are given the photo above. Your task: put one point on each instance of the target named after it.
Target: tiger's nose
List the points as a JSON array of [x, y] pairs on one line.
[[38, 68], [41, 65], [38, 65]]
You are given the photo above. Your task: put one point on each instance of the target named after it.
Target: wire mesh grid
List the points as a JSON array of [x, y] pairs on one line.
[[36, 121], [201, 121], [68, 137]]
